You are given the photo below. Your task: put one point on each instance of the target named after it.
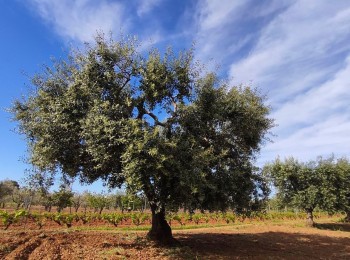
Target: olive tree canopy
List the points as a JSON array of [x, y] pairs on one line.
[[323, 184], [153, 123]]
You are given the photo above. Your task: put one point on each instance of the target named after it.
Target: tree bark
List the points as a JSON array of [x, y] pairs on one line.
[[310, 218], [161, 231]]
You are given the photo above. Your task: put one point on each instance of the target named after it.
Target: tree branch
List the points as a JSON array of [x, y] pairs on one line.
[[155, 118], [174, 104]]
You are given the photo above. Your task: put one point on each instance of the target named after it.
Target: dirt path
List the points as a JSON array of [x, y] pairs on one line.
[[252, 241]]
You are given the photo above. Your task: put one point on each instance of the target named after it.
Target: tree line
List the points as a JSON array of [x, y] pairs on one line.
[[13, 196], [322, 184]]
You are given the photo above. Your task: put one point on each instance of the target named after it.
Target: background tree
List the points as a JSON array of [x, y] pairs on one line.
[[275, 203], [41, 182], [327, 172], [85, 200], [62, 199], [98, 202], [7, 189], [338, 192], [77, 201], [117, 200], [306, 185], [153, 123], [18, 197]]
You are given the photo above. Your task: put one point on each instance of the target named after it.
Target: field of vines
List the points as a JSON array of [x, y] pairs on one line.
[[41, 220]]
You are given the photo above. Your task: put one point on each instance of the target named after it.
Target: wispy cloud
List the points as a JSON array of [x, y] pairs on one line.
[[327, 137], [227, 30], [295, 51], [300, 44], [146, 6], [214, 14], [301, 61], [315, 123], [80, 20], [211, 19]]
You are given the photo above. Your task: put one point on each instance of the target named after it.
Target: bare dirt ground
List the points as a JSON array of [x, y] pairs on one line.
[[282, 240]]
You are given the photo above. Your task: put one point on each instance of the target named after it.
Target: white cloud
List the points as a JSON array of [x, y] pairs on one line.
[[80, 20], [223, 27], [302, 60], [146, 6], [297, 43], [298, 56], [316, 123], [213, 14], [296, 51], [320, 102], [210, 28], [327, 137]]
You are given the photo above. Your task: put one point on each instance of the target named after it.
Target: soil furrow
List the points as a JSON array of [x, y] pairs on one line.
[[24, 250]]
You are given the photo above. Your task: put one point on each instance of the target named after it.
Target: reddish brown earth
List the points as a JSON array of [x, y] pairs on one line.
[[268, 241], [289, 240]]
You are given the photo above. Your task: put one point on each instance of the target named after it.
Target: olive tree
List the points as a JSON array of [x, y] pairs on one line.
[[77, 201], [41, 181], [306, 185], [7, 190], [154, 122], [338, 197], [98, 202], [62, 199]]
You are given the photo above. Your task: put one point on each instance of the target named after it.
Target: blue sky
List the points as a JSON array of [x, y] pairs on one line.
[[296, 52]]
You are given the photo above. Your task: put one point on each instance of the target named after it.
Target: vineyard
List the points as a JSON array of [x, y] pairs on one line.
[[42, 220], [44, 235]]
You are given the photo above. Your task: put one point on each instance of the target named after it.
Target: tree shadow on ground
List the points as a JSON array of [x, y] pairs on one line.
[[334, 226], [267, 245]]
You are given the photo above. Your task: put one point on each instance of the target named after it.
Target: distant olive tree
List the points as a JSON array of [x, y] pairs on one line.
[[338, 192], [77, 201], [7, 190], [98, 202], [62, 199], [322, 183], [41, 182], [296, 184]]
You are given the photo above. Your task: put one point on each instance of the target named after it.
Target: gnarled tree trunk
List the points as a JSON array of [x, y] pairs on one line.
[[160, 230], [310, 218]]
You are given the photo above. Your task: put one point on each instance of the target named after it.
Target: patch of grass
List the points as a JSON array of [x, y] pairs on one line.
[[299, 225], [116, 251], [184, 227], [183, 252], [343, 220], [105, 228], [333, 226], [147, 228]]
